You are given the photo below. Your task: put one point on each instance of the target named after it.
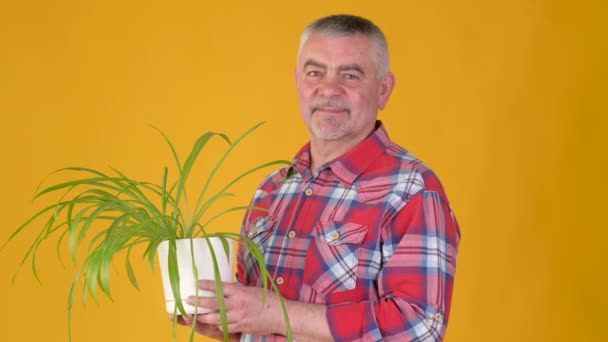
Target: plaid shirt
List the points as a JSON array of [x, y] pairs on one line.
[[371, 236]]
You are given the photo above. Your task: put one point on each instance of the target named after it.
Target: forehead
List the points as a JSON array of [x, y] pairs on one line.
[[350, 49]]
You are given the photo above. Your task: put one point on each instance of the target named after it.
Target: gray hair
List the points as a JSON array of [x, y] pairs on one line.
[[348, 25]]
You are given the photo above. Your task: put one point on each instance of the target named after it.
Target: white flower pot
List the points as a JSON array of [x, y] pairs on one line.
[[204, 264]]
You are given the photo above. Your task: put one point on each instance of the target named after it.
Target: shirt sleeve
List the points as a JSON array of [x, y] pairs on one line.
[[416, 280]]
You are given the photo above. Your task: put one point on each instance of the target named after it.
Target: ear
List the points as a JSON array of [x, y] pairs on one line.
[[385, 89]]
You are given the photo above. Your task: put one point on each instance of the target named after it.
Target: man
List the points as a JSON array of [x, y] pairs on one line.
[[359, 235]]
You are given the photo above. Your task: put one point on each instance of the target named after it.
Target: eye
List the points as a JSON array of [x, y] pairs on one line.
[[351, 77], [313, 73]]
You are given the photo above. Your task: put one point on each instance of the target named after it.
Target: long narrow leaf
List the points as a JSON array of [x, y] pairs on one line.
[[185, 172], [252, 170], [29, 221], [130, 272], [227, 211], [164, 195], [174, 276], [208, 204], [175, 156], [219, 163], [219, 288]]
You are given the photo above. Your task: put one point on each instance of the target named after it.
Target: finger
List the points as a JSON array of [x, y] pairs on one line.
[[232, 328], [214, 318], [209, 285], [209, 318], [187, 321], [210, 331], [180, 320], [203, 302]]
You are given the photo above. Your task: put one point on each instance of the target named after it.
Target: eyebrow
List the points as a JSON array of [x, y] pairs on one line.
[[312, 62], [350, 67], [347, 67]]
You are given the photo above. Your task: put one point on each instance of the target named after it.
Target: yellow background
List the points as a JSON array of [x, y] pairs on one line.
[[506, 100]]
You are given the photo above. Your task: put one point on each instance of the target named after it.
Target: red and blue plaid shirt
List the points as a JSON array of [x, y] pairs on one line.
[[371, 236]]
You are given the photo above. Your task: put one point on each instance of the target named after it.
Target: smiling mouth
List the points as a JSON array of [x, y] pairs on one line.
[[330, 110]]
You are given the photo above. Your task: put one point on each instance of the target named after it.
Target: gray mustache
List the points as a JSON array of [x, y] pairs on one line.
[[329, 103]]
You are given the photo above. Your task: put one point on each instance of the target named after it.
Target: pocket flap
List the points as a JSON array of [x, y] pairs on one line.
[[260, 225], [335, 233]]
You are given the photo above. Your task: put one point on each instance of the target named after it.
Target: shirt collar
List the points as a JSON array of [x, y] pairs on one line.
[[351, 164]]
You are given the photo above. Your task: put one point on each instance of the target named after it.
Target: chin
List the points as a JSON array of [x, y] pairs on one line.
[[329, 134]]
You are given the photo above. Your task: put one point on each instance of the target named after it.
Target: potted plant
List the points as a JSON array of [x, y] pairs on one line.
[[116, 214]]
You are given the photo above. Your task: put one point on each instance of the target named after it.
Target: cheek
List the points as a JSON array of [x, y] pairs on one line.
[[304, 100], [306, 95], [364, 106], [362, 100]]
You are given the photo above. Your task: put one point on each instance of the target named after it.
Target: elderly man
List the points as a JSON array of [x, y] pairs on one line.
[[358, 233]]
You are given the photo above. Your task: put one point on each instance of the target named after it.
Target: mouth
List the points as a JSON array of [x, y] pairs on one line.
[[330, 110]]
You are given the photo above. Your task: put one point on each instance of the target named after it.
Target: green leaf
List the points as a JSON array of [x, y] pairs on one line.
[[91, 275], [130, 272], [219, 287], [185, 172], [174, 276], [29, 221], [230, 210], [225, 245], [164, 194], [217, 166], [259, 167], [74, 231], [175, 156], [58, 248]]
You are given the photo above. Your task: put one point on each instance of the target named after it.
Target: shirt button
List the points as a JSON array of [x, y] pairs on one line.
[[308, 192], [334, 236], [280, 280], [291, 234], [438, 317]]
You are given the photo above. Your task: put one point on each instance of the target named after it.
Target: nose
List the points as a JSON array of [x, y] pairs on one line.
[[330, 87]]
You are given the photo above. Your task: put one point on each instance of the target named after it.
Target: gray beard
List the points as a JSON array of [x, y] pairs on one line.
[[333, 129]]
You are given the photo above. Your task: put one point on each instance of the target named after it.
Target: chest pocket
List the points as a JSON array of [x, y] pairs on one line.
[[333, 256]]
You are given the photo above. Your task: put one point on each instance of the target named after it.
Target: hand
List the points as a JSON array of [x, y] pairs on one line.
[[244, 310], [209, 330]]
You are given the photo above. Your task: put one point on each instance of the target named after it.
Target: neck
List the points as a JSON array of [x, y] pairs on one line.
[[323, 151]]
